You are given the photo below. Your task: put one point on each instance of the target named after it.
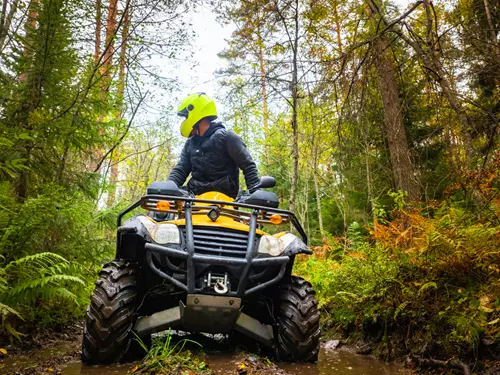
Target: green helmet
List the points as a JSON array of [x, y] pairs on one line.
[[194, 108]]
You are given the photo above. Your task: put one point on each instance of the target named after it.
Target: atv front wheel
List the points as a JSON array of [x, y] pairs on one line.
[[297, 339], [107, 333]]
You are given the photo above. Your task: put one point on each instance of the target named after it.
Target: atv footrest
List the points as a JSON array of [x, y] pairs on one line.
[[162, 320]]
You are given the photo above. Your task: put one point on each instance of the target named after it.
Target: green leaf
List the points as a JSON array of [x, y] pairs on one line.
[[25, 136], [426, 286]]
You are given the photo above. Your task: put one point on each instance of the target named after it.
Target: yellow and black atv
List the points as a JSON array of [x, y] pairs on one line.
[[204, 264]]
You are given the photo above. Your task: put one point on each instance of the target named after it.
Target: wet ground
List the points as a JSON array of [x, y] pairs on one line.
[[62, 358], [329, 363]]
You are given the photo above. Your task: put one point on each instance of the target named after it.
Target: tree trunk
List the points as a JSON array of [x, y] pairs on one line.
[[493, 32], [339, 45], [30, 25], [318, 200], [295, 152], [402, 168], [98, 28], [431, 61], [315, 163], [113, 174], [306, 201], [24, 176], [109, 51], [123, 58], [265, 111], [6, 21], [369, 184]]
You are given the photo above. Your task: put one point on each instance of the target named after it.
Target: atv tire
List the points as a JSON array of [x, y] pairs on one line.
[[110, 318], [298, 332]]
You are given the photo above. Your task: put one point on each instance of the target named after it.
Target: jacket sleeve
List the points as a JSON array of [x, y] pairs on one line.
[[239, 153], [183, 168]]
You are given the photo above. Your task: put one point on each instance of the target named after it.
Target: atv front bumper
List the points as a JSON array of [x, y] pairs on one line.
[[193, 259], [246, 266]]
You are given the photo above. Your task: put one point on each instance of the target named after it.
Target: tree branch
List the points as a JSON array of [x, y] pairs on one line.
[[123, 135]]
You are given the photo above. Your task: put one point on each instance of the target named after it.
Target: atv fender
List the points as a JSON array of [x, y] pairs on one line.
[[131, 237], [297, 247]]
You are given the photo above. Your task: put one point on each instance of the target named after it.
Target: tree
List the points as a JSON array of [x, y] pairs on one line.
[[401, 164]]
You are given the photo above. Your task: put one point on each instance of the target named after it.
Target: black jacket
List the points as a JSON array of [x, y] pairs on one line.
[[214, 160]]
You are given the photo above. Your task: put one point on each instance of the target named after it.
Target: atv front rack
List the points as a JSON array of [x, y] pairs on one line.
[[186, 207]]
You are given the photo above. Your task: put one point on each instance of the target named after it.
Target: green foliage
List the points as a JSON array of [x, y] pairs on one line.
[[38, 280], [424, 280], [61, 112], [168, 356], [52, 247], [39, 277]]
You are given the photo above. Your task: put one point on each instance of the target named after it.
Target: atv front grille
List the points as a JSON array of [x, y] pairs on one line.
[[219, 241]]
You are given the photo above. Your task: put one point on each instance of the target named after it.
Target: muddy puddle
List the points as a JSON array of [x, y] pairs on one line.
[[65, 355], [329, 363]]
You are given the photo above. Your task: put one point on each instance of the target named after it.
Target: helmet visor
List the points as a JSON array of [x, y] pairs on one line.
[[184, 113]]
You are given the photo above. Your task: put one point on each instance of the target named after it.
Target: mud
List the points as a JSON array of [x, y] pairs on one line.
[[63, 358]]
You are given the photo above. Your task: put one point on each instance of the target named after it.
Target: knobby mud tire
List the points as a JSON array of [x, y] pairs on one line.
[[298, 335], [110, 318]]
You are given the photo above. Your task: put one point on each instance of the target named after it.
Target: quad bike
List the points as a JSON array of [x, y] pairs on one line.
[[204, 264]]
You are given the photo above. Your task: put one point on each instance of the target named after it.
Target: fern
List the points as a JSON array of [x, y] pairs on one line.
[[400, 309], [44, 275], [5, 313], [40, 260], [426, 286]]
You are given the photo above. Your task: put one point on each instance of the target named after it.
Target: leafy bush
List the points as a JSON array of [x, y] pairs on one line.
[[51, 248], [425, 282]]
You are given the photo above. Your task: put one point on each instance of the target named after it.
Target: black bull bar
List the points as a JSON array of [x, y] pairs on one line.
[[185, 208]]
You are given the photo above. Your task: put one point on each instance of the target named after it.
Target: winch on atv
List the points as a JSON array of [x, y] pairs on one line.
[[204, 264]]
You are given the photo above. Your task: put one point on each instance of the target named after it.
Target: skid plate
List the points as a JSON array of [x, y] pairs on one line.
[[211, 314]]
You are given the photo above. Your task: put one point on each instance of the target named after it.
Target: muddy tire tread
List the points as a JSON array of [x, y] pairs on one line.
[[298, 322], [110, 318]]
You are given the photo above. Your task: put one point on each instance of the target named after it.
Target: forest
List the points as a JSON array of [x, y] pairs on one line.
[[378, 119]]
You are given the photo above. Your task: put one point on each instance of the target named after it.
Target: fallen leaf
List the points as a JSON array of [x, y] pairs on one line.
[[242, 368]]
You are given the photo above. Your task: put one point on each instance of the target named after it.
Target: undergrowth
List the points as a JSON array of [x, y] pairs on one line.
[[51, 248], [426, 280], [168, 356]]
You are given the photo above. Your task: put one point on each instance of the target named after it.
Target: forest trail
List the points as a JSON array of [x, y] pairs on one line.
[[63, 357]]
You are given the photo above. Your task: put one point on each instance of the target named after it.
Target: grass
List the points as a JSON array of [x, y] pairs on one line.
[[167, 356]]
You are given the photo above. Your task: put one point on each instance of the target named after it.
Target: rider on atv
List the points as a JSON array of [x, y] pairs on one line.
[[212, 154], [205, 263]]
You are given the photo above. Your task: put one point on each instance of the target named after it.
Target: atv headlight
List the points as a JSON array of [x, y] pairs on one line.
[[270, 245], [166, 233], [161, 233], [276, 246]]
